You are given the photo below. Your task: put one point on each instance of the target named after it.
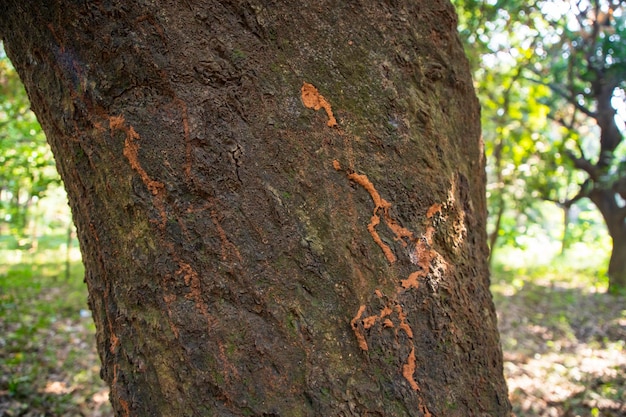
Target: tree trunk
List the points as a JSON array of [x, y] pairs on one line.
[[613, 215], [565, 240], [281, 208], [617, 264], [495, 233]]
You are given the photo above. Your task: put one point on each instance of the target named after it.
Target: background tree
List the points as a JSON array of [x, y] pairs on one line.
[[281, 209], [585, 69], [567, 57]]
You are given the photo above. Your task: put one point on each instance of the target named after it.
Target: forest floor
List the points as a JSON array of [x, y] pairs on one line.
[[564, 343], [48, 361]]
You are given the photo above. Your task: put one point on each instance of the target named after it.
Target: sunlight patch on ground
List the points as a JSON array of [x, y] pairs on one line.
[[564, 342], [56, 387]]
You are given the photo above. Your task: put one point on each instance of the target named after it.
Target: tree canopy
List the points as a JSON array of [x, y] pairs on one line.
[[551, 78]]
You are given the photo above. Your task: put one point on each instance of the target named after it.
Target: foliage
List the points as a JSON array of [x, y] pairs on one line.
[[514, 115], [27, 167], [551, 78], [48, 363]]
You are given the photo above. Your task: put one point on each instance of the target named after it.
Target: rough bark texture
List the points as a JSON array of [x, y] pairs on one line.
[[280, 204]]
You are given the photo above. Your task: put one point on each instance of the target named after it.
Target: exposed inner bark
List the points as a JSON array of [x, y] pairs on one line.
[[281, 209]]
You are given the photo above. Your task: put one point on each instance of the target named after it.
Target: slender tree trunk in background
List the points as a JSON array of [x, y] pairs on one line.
[[613, 215], [68, 250], [565, 241], [617, 264], [495, 233], [500, 189], [280, 205]]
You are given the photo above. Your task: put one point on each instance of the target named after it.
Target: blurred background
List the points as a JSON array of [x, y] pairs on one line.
[[551, 79]]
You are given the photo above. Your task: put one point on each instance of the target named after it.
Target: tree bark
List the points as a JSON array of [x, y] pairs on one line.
[[613, 215], [280, 206]]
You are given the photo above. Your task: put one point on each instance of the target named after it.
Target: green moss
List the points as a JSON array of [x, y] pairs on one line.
[[292, 324], [312, 236], [284, 262], [237, 55], [218, 378], [233, 341], [451, 405]]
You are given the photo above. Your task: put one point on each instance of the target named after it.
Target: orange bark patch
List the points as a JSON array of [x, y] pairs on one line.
[[424, 409], [432, 210], [364, 182], [226, 244], [117, 122], [382, 205], [408, 369], [411, 281], [115, 341], [371, 227], [192, 280], [420, 243], [360, 337], [379, 203], [424, 256], [369, 321], [404, 325], [114, 388], [125, 406], [131, 152], [312, 99]]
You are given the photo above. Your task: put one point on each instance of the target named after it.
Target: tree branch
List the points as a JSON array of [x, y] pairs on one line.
[[559, 91], [582, 193], [584, 164]]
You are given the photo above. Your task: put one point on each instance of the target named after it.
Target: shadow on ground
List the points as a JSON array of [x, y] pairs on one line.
[[564, 348], [48, 361]]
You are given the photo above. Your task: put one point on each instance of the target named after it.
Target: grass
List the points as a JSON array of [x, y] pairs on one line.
[[48, 362], [563, 337]]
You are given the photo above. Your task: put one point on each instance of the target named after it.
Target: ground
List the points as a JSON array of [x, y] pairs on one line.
[[48, 360], [564, 341]]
